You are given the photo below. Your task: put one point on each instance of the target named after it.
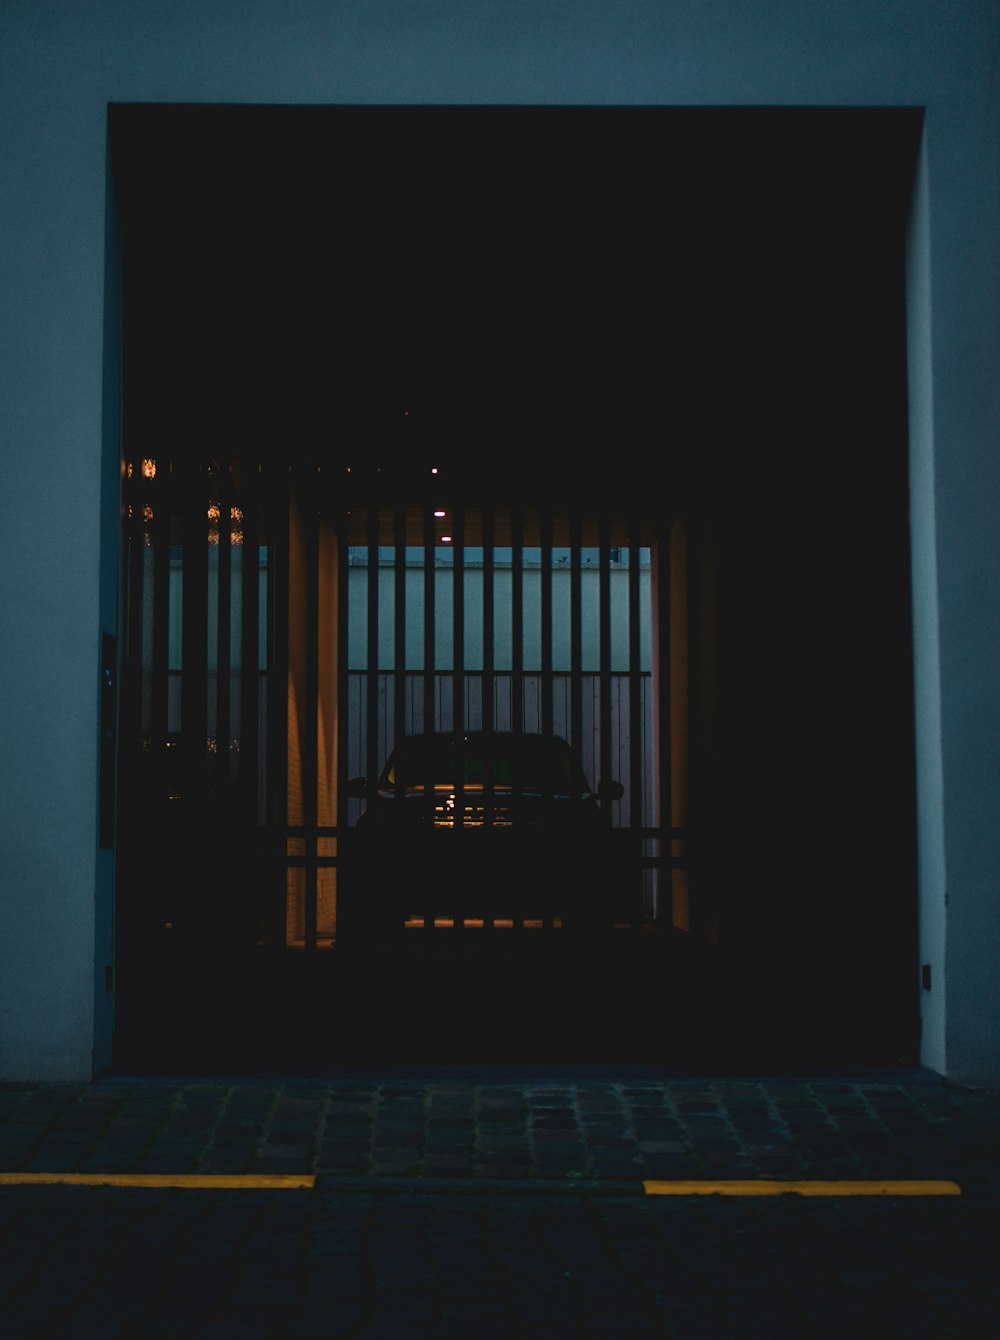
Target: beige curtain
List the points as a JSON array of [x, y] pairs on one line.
[[325, 780]]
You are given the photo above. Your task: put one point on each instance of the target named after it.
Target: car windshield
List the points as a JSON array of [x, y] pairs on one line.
[[532, 763]]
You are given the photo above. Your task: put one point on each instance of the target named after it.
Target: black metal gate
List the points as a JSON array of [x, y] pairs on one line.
[[289, 622], [670, 432]]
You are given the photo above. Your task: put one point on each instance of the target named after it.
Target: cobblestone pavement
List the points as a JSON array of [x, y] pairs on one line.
[[498, 1205]]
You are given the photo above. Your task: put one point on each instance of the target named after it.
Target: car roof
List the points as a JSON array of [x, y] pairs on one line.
[[528, 757]]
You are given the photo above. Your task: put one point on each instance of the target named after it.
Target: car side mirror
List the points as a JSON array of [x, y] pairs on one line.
[[357, 787], [610, 790]]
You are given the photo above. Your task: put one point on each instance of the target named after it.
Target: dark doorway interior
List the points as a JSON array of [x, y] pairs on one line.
[[691, 314]]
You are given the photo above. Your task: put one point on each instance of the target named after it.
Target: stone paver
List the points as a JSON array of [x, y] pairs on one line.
[[885, 1126], [446, 1207]]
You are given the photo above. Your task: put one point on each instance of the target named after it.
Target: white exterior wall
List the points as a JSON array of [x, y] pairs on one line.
[[63, 61]]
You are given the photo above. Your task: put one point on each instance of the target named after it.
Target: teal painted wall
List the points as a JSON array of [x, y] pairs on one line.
[[65, 61]]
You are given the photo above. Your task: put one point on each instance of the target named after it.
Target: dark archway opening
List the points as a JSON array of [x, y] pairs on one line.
[[657, 312]]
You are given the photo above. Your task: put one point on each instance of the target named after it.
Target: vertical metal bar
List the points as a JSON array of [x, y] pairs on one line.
[[489, 713], [695, 745], [133, 669], [488, 709], [278, 592], [194, 656], [637, 743], [248, 759], [163, 489], [517, 618], [133, 800], [458, 619], [372, 658], [664, 709], [310, 744], [345, 722], [604, 656], [576, 631], [399, 622], [223, 657], [458, 643], [430, 597], [249, 782], [133, 758], [545, 579]]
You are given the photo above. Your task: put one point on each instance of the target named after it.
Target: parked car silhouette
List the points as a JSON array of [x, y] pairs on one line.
[[478, 832]]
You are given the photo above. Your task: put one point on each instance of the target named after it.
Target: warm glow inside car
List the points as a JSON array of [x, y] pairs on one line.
[[480, 831]]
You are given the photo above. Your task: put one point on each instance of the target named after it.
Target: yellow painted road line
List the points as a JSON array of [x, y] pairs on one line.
[[202, 1181], [768, 1187], [687, 1187]]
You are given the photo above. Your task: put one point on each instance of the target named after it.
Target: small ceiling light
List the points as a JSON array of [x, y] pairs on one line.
[[446, 539], [439, 511]]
